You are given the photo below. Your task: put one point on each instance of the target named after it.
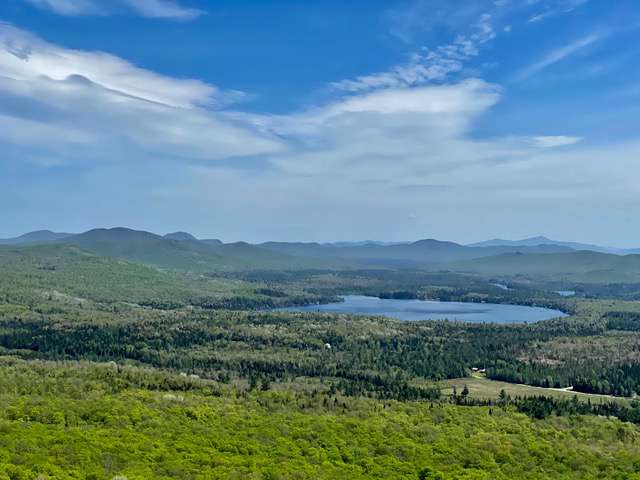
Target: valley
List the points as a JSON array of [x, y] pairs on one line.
[[121, 337]]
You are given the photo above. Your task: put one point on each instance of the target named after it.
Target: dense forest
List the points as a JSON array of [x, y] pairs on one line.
[[105, 421]]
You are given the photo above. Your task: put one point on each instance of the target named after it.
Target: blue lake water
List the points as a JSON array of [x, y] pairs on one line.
[[566, 293], [434, 310]]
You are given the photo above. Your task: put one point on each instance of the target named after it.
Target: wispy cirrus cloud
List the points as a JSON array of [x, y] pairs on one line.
[[428, 64], [556, 55], [409, 20], [165, 9], [554, 8]]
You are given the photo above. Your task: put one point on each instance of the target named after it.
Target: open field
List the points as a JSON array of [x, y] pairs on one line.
[[482, 388]]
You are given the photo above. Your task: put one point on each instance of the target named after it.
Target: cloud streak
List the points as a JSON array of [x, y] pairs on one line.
[[552, 141], [555, 8], [557, 55], [164, 9]]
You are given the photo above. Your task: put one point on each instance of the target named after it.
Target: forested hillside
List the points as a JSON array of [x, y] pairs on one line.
[[578, 267], [183, 254]]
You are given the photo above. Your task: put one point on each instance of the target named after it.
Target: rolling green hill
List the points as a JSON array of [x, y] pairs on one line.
[[39, 236], [185, 255], [540, 240], [59, 273], [71, 275], [581, 266]]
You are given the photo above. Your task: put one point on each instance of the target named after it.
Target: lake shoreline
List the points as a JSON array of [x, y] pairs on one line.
[[422, 310]]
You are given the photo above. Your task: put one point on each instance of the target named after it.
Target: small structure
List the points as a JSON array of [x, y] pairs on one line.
[[327, 346]]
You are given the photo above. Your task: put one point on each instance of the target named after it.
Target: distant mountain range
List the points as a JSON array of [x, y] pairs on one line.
[[183, 251], [578, 266], [416, 254], [534, 241]]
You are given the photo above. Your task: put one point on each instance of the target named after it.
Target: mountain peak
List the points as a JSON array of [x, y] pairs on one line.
[[525, 242], [180, 236], [539, 238], [432, 242], [114, 234]]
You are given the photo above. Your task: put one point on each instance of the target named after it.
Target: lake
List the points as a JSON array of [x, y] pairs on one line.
[[434, 310], [566, 293]]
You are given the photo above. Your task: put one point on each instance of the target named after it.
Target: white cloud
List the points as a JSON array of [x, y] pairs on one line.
[[557, 55], [386, 134], [552, 141], [482, 196], [538, 17], [26, 57], [410, 19], [111, 108], [69, 7], [469, 96], [427, 65], [83, 106], [163, 9], [555, 8], [167, 9]]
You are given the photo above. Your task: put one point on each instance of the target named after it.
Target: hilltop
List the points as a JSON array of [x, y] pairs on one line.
[[577, 266], [541, 240], [39, 236]]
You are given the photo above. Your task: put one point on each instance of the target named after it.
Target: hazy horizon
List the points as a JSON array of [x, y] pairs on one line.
[[202, 236]]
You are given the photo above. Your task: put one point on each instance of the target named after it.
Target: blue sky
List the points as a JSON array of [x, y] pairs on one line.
[[330, 120]]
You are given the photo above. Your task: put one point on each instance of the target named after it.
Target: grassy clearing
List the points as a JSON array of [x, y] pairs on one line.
[[483, 388]]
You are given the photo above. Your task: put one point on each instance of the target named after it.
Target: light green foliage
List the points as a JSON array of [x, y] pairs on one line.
[[95, 422], [33, 276]]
